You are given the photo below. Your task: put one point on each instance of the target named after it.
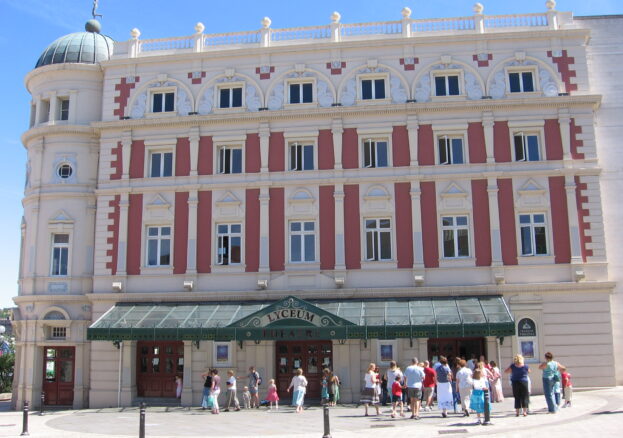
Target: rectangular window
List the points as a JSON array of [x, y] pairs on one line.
[[450, 150], [58, 332], [447, 85], [63, 109], [301, 156], [158, 246], [533, 234], [455, 231], [375, 153], [161, 164], [229, 160], [230, 97], [521, 82], [302, 242], [229, 242], [378, 239], [372, 89], [526, 147], [60, 254], [163, 102], [301, 93]]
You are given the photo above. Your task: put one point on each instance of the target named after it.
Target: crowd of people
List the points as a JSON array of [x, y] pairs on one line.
[[458, 385]]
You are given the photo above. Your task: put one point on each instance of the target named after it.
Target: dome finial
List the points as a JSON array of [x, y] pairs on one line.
[[93, 26], [94, 10]]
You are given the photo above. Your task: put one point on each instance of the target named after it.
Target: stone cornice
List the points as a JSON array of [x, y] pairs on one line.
[[53, 130], [57, 299], [88, 68], [591, 101]]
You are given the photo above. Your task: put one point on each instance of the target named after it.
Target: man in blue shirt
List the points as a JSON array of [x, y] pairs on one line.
[[414, 375]]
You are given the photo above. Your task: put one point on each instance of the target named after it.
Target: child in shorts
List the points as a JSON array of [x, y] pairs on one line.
[[397, 396], [567, 388], [246, 397]]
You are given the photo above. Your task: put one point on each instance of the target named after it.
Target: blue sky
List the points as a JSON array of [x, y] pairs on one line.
[[28, 26]]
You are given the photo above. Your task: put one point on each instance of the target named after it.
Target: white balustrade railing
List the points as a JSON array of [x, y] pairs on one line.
[[343, 32]]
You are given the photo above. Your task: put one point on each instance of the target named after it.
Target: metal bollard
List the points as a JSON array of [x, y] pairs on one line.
[[487, 421], [141, 427], [25, 420], [327, 426], [42, 403]]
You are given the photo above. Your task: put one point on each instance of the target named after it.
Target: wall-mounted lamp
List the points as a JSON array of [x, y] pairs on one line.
[[339, 281], [188, 285], [117, 344], [117, 286], [342, 341], [262, 284], [579, 275], [257, 341], [419, 280], [196, 344], [499, 278]]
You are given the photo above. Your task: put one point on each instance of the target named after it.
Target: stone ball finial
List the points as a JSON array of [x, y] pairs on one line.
[[550, 4], [135, 33], [266, 22], [478, 8], [199, 27], [336, 17], [406, 12], [93, 26]]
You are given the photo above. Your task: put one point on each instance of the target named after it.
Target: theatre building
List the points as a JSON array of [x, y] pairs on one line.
[[311, 197]]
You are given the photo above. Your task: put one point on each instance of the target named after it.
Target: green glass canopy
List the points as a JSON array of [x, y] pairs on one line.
[[291, 318]]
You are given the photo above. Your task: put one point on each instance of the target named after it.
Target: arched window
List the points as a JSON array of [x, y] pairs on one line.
[[54, 315]]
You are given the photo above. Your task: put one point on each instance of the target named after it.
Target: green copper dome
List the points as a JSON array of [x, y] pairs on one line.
[[88, 47]]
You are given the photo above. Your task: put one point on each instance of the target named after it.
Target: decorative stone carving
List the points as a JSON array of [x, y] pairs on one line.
[[398, 93], [349, 93], [323, 93], [140, 106], [275, 101], [207, 102], [497, 90], [548, 84], [252, 99], [422, 89], [472, 87], [183, 103]]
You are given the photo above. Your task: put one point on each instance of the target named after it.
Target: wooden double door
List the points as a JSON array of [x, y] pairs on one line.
[[157, 365], [311, 356], [58, 375]]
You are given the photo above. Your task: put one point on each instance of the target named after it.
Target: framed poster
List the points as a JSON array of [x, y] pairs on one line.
[[386, 352], [527, 349], [528, 340], [222, 354]]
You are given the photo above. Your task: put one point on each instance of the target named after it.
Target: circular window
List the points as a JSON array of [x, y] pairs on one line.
[[65, 171]]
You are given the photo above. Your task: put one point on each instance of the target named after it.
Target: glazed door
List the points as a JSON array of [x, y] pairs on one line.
[[312, 357], [58, 375], [455, 347], [157, 365]]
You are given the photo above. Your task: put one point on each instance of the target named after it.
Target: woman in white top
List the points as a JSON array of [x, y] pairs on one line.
[[369, 395], [299, 383], [464, 383]]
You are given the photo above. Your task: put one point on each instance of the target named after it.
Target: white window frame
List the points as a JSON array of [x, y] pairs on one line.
[[303, 144], [301, 82], [155, 151], [230, 86], [218, 256], [62, 175], [522, 69], [532, 225], [159, 238], [58, 332], [63, 100], [449, 154], [373, 77], [538, 133], [376, 235], [364, 141], [302, 233], [163, 91], [219, 170], [66, 246], [446, 73], [455, 228]]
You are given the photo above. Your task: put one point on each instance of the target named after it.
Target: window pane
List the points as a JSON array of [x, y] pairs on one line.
[[221, 229], [308, 159], [168, 101], [295, 93], [443, 151], [453, 85], [167, 170], [236, 97], [524, 218], [310, 248], [440, 85], [152, 231], [519, 151], [307, 93], [155, 165], [293, 154], [528, 84], [447, 221], [63, 261], [157, 108], [540, 240], [224, 98], [166, 231], [309, 226], [235, 250], [381, 154], [533, 147], [295, 247], [152, 252], [61, 238], [379, 89], [235, 228], [366, 89], [461, 220], [295, 226], [236, 165], [539, 218], [463, 241], [526, 241], [513, 79], [448, 243], [386, 246], [370, 223], [367, 154], [384, 223], [457, 151], [370, 245], [165, 252]]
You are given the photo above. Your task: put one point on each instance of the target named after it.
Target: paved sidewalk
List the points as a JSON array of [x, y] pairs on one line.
[[599, 411]]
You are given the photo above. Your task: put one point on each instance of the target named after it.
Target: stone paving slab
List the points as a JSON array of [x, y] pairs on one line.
[[599, 411]]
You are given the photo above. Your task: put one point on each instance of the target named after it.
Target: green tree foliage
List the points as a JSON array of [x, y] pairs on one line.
[[7, 362]]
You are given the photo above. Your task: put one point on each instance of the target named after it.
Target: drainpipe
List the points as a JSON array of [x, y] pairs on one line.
[[497, 343], [120, 347]]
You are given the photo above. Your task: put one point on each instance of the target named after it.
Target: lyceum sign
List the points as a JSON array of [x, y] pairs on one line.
[[299, 314]]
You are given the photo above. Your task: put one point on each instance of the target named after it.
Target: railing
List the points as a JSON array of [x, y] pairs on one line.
[[525, 20], [336, 32]]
